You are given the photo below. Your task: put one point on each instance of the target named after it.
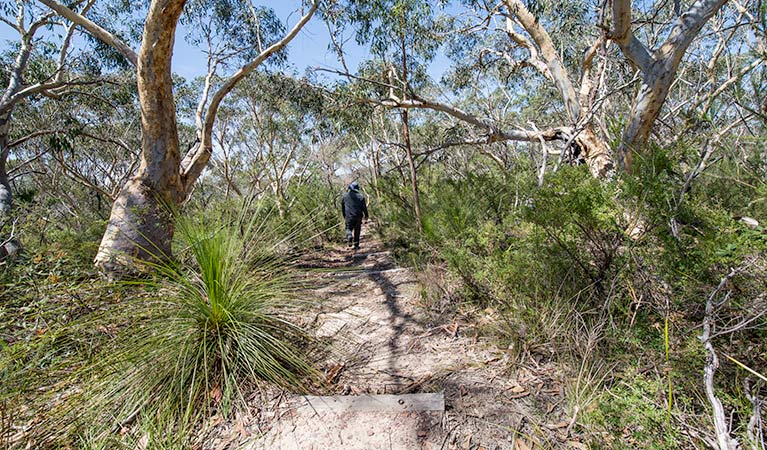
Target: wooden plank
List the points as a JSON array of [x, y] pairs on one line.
[[384, 403]]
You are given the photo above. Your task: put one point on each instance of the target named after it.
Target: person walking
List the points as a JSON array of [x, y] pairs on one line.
[[354, 209]]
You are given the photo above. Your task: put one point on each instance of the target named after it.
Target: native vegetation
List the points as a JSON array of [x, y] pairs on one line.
[[587, 180]]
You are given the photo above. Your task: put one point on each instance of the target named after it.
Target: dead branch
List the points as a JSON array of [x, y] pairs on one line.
[[724, 440], [755, 432]]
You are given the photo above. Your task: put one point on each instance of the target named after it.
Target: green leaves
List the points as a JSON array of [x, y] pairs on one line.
[[236, 29], [195, 339]]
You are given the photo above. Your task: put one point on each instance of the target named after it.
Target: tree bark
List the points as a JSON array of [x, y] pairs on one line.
[[411, 166], [658, 68], [644, 110], [592, 148], [140, 227], [6, 198], [595, 151]]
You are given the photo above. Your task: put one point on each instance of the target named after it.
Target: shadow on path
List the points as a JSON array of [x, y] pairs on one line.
[[399, 321]]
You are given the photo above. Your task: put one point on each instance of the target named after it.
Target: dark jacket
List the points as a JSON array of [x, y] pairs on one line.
[[353, 205]]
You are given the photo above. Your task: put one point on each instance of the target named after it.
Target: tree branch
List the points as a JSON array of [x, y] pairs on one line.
[[494, 134], [194, 162], [68, 41], [38, 133], [687, 27], [622, 35], [12, 25], [712, 363], [43, 88], [588, 62], [94, 29], [549, 54], [534, 59]]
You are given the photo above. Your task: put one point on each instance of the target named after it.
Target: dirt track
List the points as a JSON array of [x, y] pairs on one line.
[[385, 343]]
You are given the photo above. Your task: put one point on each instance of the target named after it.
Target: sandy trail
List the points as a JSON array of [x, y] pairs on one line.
[[386, 343]]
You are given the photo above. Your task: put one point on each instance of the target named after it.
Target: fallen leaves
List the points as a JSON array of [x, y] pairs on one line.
[[216, 394], [520, 444]]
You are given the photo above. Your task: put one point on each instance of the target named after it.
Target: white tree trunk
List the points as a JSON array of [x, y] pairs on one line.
[[658, 67], [6, 199], [140, 226], [594, 150], [645, 109]]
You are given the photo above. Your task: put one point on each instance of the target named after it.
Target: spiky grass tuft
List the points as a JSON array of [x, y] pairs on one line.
[[210, 327]]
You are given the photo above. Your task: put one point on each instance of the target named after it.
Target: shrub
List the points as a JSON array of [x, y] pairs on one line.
[[194, 339]]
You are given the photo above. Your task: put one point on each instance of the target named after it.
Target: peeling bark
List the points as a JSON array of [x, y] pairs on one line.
[[658, 68], [592, 148], [595, 151], [140, 228]]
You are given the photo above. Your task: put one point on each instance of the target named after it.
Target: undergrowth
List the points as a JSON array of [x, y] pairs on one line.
[[147, 360], [607, 280]]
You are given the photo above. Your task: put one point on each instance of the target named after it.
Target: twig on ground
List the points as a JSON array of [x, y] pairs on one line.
[[447, 436], [572, 421], [724, 440]]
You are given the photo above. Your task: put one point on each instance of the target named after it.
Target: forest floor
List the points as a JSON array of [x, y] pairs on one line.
[[386, 339]]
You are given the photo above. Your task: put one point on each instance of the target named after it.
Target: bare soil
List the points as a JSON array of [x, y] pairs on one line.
[[386, 340]]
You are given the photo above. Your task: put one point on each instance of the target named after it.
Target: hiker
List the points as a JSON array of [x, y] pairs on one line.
[[354, 209]]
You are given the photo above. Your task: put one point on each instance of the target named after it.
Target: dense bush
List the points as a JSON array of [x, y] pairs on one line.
[[593, 273], [162, 351]]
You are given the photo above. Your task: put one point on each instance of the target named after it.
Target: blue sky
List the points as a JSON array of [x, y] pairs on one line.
[[308, 50]]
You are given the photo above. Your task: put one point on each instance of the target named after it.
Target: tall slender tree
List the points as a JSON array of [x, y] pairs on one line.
[[140, 227], [32, 74]]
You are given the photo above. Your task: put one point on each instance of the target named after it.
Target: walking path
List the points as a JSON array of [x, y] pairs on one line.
[[385, 345]]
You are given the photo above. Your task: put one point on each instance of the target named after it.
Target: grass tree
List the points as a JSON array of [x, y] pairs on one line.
[[140, 227]]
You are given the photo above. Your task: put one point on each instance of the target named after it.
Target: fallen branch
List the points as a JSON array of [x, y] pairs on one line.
[[723, 438]]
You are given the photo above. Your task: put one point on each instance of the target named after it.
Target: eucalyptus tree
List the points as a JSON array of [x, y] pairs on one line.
[[78, 169], [275, 120], [140, 226], [404, 36], [657, 66], [45, 64], [515, 35]]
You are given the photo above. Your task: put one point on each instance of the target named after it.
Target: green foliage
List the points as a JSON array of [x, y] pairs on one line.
[[197, 338], [631, 415], [315, 213], [234, 27], [609, 273]]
